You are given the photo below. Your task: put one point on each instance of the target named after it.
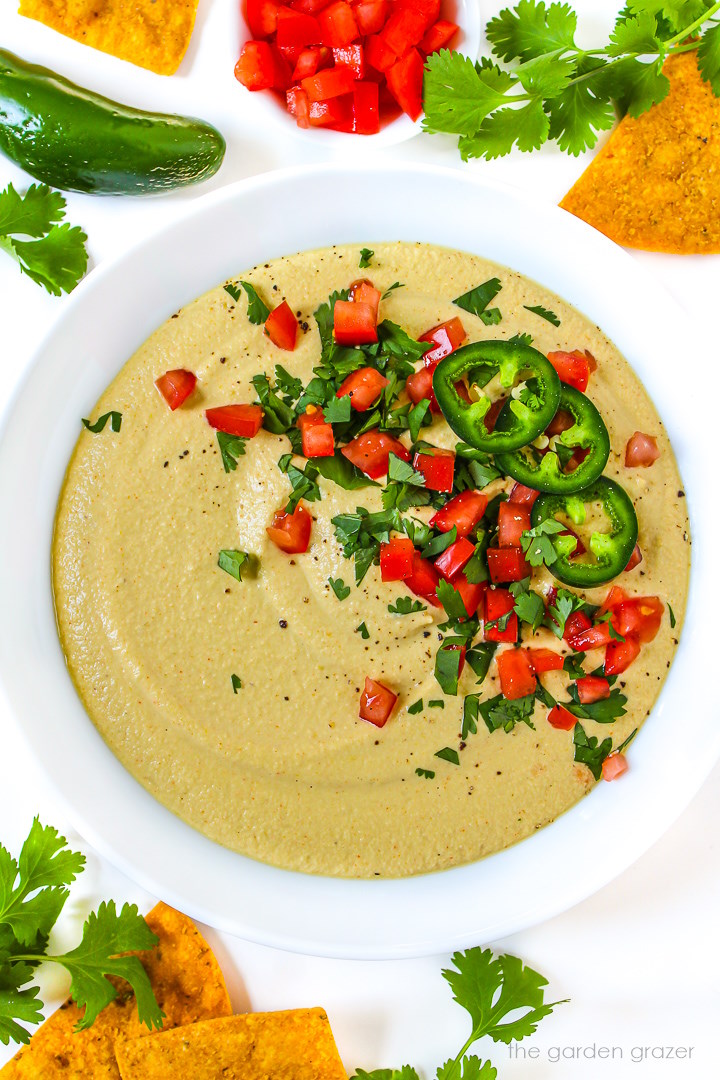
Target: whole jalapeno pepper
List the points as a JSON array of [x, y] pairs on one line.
[[543, 471], [611, 550], [523, 418]]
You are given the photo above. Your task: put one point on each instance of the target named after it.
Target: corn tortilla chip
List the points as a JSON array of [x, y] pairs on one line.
[[153, 34], [187, 982], [294, 1045], [655, 185]]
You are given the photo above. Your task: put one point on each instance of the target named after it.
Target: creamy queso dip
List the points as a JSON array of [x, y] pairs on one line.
[[281, 768]]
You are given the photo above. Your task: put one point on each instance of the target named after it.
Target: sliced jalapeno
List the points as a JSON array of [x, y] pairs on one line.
[[523, 418], [608, 552], [543, 471]]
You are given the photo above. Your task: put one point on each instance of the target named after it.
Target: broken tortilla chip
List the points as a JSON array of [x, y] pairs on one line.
[[153, 34], [294, 1045], [655, 185], [188, 985]]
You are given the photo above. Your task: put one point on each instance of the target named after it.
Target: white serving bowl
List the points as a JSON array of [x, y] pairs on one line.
[[466, 13], [102, 324]]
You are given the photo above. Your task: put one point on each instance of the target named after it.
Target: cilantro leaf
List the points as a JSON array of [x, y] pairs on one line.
[[476, 300], [363, 631], [403, 472], [32, 890], [232, 447], [558, 613], [258, 310], [55, 257], [529, 605], [470, 715], [417, 417], [233, 290], [342, 472], [236, 683], [17, 1004], [341, 590], [605, 711], [447, 665], [589, 751], [531, 30], [439, 543], [397, 344], [338, 410], [498, 712], [578, 114], [302, 481], [428, 774], [458, 94], [636, 34], [366, 255], [114, 417], [31, 214], [406, 1072], [709, 58], [527, 127], [538, 545], [544, 313], [395, 285], [471, 1068], [521, 339], [233, 562], [277, 414], [405, 605], [479, 657], [448, 754], [287, 383]]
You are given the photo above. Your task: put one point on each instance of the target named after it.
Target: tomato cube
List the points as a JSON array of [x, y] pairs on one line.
[[522, 496], [338, 24], [366, 109], [640, 616], [559, 717], [454, 558], [297, 29], [619, 655], [176, 386], [577, 623], [423, 580], [291, 532], [463, 511], [396, 559], [378, 54], [635, 559], [592, 688], [309, 61], [351, 57], [255, 68], [363, 291], [517, 678], [513, 520], [370, 452], [405, 28], [439, 36], [242, 420], [354, 323], [543, 660], [499, 603], [437, 467], [445, 338], [363, 388], [335, 113], [471, 593], [641, 451], [376, 702], [405, 83], [328, 83], [281, 327], [507, 564], [297, 105], [420, 387], [317, 435], [613, 766], [572, 368], [262, 17], [370, 15]]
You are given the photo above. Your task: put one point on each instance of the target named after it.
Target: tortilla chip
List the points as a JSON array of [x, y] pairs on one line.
[[293, 1045], [655, 185], [187, 982], [153, 34]]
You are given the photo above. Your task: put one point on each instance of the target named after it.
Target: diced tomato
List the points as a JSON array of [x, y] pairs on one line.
[[242, 420], [619, 655], [335, 113], [363, 291], [499, 602], [370, 15], [317, 434], [309, 61], [614, 598], [560, 718], [378, 54], [328, 83], [291, 54], [471, 593], [376, 702], [445, 337], [338, 24], [640, 617], [572, 368], [542, 660], [423, 580], [420, 386], [439, 36], [255, 68], [354, 323], [593, 638], [641, 451], [491, 416], [513, 520], [405, 83], [176, 386], [281, 327], [592, 688], [405, 28], [522, 496], [507, 564], [517, 678], [294, 28], [635, 559], [396, 559], [363, 387], [370, 452], [351, 57], [462, 511], [310, 7], [366, 113], [577, 623], [453, 558], [262, 17], [437, 467], [297, 106], [613, 766], [561, 421], [291, 532]]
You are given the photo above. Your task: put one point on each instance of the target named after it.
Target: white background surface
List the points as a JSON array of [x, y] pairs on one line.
[[638, 960]]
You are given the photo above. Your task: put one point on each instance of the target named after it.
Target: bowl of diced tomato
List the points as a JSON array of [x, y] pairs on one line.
[[349, 70]]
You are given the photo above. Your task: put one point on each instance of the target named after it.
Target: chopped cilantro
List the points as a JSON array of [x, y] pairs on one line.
[[233, 562], [232, 447], [416, 707], [363, 631], [366, 255], [258, 310], [447, 665], [538, 545], [451, 600], [278, 416], [417, 417], [498, 713], [448, 754], [673, 620], [572, 664], [544, 695], [236, 683], [428, 774], [342, 472], [302, 481], [529, 605], [114, 417], [544, 313], [418, 531], [479, 658], [476, 300], [395, 285], [565, 603], [436, 703], [341, 590], [605, 711], [403, 472], [501, 623], [491, 317], [338, 410], [439, 543], [405, 605], [470, 715], [626, 742], [521, 339], [614, 634], [287, 383], [589, 751]]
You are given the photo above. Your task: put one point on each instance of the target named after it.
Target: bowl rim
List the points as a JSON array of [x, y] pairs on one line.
[[286, 909]]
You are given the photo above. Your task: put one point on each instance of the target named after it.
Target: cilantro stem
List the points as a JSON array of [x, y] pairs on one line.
[[694, 26]]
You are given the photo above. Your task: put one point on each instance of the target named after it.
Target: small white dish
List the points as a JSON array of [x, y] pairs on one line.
[[102, 324]]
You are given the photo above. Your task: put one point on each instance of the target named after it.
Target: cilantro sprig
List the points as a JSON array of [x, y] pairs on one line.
[[33, 892], [555, 91], [52, 254]]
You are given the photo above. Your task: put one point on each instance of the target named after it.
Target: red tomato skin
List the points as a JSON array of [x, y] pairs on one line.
[[635, 559], [522, 496], [370, 15], [376, 702], [451, 561], [338, 24], [507, 564], [419, 386], [593, 688], [176, 386], [328, 83], [542, 660], [577, 623], [572, 368], [291, 532], [438, 468], [619, 655], [363, 388], [255, 68], [396, 559], [366, 112], [405, 28], [242, 420], [490, 418], [513, 520], [446, 338], [614, 598], [378, 54], [472, 594], [640, 617], [439, 36], [614, 766], [297, 106], [351, 57], [309, 61], [595, 637], [281, 327], [423, 580], [317, 435], [363, 291], [296, 28], [517, 678], [405, 83], [499, 602], [560, 718], [370, 452], [335, 113], [463, 511], [262, 17], [641, 451], [354, 323]]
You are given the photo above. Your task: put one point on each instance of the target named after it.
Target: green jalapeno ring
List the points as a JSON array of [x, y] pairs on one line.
[[521, 422], [588, 431], [612, 550]]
